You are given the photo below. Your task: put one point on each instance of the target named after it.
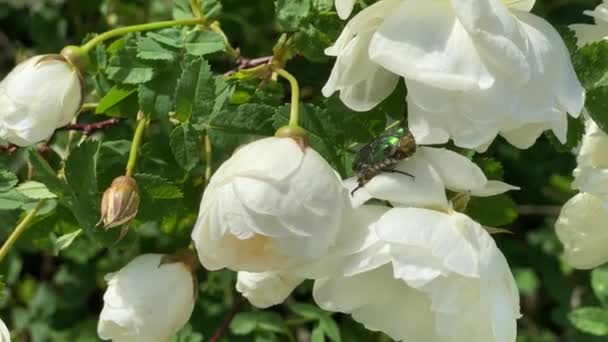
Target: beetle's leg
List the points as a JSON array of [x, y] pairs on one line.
[[397, 171], [352, 193]]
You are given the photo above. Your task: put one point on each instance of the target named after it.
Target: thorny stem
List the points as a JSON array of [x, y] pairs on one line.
[[21, 227], [246, 63], [137, 138], [89, 128], [223, 328], [294, 117], [139, 28]]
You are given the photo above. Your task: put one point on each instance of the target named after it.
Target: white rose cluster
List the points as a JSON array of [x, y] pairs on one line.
[[277, 213], [582, 226], [416, 269], [474, 69]]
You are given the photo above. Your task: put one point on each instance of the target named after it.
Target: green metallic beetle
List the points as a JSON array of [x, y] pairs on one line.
[[383, 154]]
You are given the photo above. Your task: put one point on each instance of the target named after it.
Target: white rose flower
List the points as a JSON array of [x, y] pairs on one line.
[[586, 33], [266, 289], [147, 301], [344, 8], [5, 335], [270, 205], [474, 69], [423, 275], [591, 173], [582, 227], [433, 171], [40, 95]]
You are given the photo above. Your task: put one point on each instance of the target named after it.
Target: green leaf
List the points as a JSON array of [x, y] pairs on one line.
[[576, 130], [201, 43], [45, 174], [187, 334], [81, 175], [330, 327], [494, 211], [291, 13], [597, 106], [323, 5], [156, 96], [150, 49], [114, 96], [599, 283], [195, 93], [306, 310], [157, 187], [326, 323], [182, 9], [527, 281], [65, 241], [311, 42], [12, 200], [7, 180], [246, 322], [173, 37], [185, 144], [251, 118], [125, 67], [318, 334], [35, 190], [591, 320], [591, 64]]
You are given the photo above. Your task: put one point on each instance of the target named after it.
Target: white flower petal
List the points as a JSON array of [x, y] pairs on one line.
[[266, 289], [438, 54], [344, 8]]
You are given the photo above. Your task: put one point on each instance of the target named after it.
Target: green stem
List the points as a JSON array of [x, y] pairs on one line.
[[294, 116], [137, 138], [21, 227], [215, 27], [139, 28], [195, 5]]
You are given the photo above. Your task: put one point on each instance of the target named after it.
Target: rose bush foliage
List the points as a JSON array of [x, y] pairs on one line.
[[494, 230]]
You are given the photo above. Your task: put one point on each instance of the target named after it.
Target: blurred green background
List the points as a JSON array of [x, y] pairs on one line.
[[50, 298]]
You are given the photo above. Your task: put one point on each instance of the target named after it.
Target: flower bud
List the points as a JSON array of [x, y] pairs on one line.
[[120, 202], [581, 228], [149, 299], [40, 95]]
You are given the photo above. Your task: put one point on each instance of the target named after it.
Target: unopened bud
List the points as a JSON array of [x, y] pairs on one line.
[[120, 202]]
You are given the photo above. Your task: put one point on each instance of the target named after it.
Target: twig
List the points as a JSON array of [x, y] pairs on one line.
[[223, 328], [539, 210], [89, 128], [246, 63]]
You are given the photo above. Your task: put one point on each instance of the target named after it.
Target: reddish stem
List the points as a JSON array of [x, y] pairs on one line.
[[246, 63], [223, 328], [89, 128]]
